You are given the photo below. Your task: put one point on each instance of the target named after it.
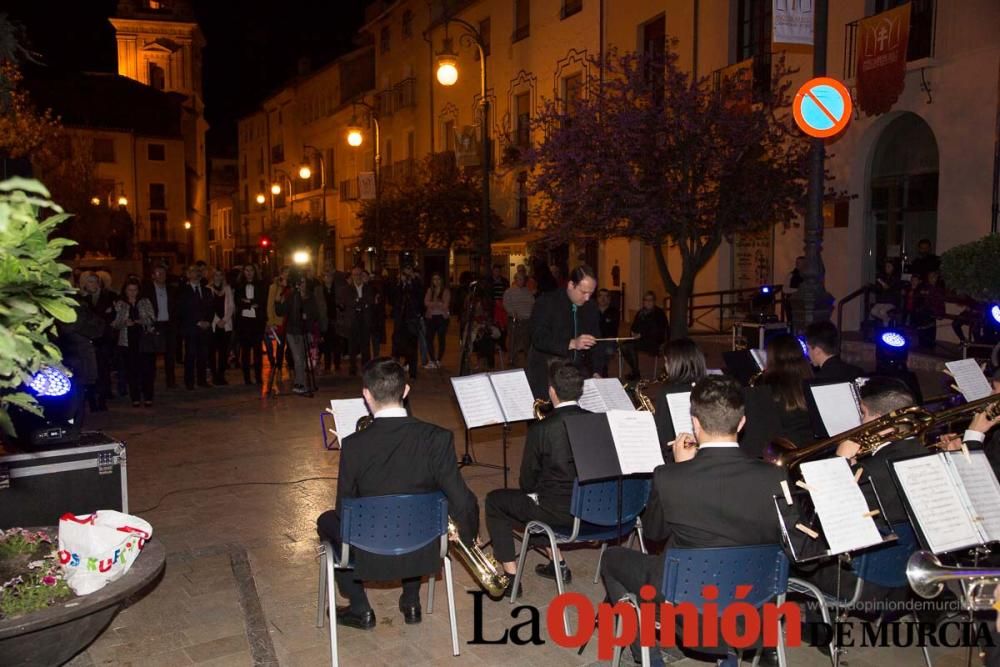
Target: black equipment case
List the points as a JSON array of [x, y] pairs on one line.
[[36, 488]]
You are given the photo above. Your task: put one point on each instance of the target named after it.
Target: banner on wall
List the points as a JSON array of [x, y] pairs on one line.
[[753, 256], [366, 185], [793, 22], [881, 59], [468, 148]]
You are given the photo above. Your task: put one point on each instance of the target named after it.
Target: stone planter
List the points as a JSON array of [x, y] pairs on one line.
[[54, 635]]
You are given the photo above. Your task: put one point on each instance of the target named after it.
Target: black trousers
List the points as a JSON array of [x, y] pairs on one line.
[[196, 346], [507, 508], [219, 358], [140, 369], [359, 343], [250, 338], [168, 335], [352, 588]]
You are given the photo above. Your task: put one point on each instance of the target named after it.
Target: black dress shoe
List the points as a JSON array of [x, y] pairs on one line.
[[411, 613], [549, 571], [363, 621]]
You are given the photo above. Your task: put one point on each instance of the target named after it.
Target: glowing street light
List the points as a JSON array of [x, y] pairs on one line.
[[276, 188], [300, 257], [447, 64], [187, 225], [261, 198], [305, 172], [95, 201], [123, 201], [354, 135]]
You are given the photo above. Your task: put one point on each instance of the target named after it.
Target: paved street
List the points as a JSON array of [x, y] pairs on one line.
[[232, 485]]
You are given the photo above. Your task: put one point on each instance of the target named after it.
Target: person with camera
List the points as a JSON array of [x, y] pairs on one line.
[[298, 305]]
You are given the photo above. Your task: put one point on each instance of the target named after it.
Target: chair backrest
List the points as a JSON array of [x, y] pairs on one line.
[[393, 525], [687, 571], [886, 565], [597, 502]]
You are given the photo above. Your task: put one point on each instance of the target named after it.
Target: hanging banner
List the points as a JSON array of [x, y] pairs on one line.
[[752, 258], [881, 61], [793, 21], [468, 148], [366, 185]]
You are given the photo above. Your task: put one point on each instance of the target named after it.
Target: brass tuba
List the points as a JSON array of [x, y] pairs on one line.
[[927, 575], [482, 566]]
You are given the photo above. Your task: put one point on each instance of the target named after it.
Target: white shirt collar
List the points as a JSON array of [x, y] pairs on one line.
[[566, 404], [391, 412], [718, 445]]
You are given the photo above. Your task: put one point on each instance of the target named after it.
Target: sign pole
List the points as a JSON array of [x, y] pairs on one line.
[[812, 303]]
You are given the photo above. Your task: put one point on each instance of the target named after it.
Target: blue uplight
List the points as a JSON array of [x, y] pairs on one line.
[[50, 382], [995, 313], [766, 289], [893, 339], [803, 345]]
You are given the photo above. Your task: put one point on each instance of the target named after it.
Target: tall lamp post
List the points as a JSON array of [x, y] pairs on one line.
[[356, 137], [447, 75], [305, 173]]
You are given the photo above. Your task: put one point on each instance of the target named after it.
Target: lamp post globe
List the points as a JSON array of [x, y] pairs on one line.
[[261, 198], [305, 172], [355, 137], [275, 188], [447, 70]]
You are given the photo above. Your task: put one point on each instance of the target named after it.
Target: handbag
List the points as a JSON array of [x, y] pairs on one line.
[[150, 341], [99, 548]]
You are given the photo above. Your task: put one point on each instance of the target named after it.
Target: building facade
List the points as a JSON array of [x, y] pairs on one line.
[[928, 168]]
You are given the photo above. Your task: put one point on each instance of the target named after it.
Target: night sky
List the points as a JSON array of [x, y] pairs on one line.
[[253, 47]]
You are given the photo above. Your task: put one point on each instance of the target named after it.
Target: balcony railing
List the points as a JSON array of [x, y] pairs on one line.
[[349, 190], [404, 94], [751, 76], [923, 27]]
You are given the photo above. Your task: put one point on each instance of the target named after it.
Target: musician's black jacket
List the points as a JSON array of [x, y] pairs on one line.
[[551, 331], [405, 455], [768, 418], [720, 498], [877, 465], [547, 467], [837, 370]]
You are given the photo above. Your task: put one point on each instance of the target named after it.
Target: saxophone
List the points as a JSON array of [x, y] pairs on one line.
[[541, 408], [483, 567], [635, 390]]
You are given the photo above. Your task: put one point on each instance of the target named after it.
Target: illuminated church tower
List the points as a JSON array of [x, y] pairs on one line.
[[160, 45]]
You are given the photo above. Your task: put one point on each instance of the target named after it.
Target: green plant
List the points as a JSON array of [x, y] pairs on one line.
[[34, 291], [30, 575], [973, 269]]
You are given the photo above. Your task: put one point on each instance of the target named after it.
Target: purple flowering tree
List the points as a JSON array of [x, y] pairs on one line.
[[652, 155]]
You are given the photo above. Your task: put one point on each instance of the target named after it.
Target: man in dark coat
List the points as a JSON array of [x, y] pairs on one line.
[[164, 300], [823, 343], [547, 473], [564, 325], [713, 495], [396, 454], [358, 300], [195, 313]]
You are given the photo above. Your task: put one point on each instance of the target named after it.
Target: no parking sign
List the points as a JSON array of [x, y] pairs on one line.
[[822, 107]]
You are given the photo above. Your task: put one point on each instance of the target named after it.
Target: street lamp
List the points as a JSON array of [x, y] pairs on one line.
[[95, 201], [187, 225], [122, 201], [447, 75], [261, 198], [305, 173], [355, 137], [275, 189]]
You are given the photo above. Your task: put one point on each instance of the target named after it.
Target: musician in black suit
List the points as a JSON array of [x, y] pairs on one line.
[[982, 433], [396, 454], [879, 397], [564, 325], [195, 313], [713, 495], [547, 472], [823, 342]]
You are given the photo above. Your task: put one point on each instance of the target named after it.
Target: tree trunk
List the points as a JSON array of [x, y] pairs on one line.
[[679, 303]]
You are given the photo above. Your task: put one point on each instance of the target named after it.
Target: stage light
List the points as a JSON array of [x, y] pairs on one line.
[[803, 345], [893, 339], [995, 313], [50, 381], [765, 289]]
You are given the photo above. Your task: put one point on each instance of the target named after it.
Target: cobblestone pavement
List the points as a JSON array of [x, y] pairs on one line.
[[232, 484]]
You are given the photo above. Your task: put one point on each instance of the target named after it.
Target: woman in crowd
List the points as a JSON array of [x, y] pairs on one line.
[[683, 366], [436, 301], [776, 405], [136, 342], [222, 326], [251, 311]]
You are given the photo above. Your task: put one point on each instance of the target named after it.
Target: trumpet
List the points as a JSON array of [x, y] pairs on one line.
[[484, 567], [927, 575], [541, 408]]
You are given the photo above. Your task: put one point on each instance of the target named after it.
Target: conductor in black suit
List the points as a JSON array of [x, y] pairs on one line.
[[396, 454], [564, 325], [195, 313], [714, 495], [823, 343], [547, 472]]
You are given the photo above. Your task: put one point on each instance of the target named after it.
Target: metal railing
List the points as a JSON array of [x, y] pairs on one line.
[[727, 306], [750, 77], [920, 44]]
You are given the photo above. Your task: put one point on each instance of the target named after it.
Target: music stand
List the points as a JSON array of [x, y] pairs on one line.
[[467, 459]]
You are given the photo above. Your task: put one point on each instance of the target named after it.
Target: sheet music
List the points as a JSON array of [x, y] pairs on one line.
[[679, 404], [514, 393], [838, 406], [759, 358], [840, 504], [638, 446], [346, 413], [476, 400], [982, 490], [936, 503], [603, 394], [969, 378]]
